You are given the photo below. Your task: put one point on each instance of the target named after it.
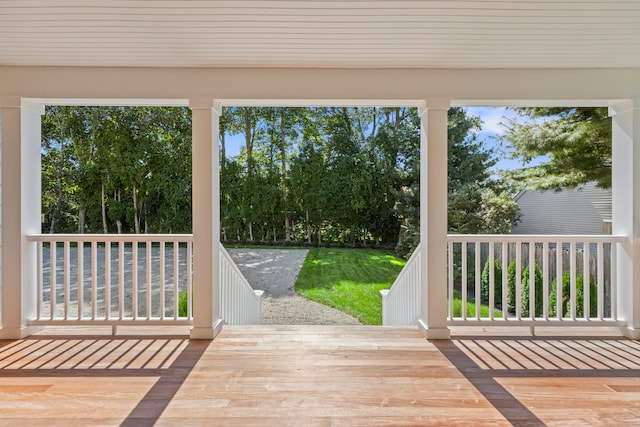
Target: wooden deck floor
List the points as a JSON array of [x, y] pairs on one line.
[[318, 376]]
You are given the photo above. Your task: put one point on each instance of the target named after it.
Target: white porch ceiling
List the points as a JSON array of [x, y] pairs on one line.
[[370, 33]]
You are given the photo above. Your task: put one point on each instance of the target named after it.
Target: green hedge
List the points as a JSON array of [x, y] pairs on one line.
[[511, 287], [484, 283], [553, 296], [566, 295], [182, 304]]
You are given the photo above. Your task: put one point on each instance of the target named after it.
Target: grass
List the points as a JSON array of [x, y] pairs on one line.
[[471, 307], [349, 280]]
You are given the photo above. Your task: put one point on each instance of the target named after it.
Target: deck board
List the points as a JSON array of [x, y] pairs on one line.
[[318, 376]]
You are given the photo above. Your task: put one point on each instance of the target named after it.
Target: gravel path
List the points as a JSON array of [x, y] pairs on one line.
[[275, 271]]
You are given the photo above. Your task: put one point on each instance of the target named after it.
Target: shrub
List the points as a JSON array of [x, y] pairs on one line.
[[511, 290], [511, 287], [539, 297], [566, 296], [182, 304], [497, 284]]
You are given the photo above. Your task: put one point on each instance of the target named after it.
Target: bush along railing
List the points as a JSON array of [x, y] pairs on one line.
[[239, 303], [113, 279], [535, 280], [401, 303]]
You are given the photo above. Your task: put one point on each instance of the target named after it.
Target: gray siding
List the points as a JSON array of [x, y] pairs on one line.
[[582, 210]]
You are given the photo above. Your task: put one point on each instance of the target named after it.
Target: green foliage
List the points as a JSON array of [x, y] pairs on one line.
[[182, 304], [576, 143], [484, 283], [511, 287], [108, 169], [471, 308], [539, 296], [566, 296], [349, 280], [340, 176], [476, 203], [524, 291]]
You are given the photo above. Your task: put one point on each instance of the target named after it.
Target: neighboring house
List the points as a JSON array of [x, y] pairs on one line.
[[582, 210]]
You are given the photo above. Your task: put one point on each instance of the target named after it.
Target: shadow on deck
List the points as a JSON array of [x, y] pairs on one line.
[[318, 376]]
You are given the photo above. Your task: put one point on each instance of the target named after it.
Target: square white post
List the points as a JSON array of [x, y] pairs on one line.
[[20, 141], [433, 218], [626, 210], [205, 123]]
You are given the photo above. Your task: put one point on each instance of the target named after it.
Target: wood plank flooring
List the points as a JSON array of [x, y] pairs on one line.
[[318, 376]]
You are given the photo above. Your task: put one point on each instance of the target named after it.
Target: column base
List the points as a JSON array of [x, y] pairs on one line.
[[9, 333], [631, 333], [206, 333], [433, 333]]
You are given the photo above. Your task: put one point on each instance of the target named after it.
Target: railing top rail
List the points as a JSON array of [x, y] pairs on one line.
[[536, 238], [224, 254], [110, 237], [412, 258]]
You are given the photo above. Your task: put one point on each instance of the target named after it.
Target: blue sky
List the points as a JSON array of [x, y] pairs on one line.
[[490, 135], [492, 117]]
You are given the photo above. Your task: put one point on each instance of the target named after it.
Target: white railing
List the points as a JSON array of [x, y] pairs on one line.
[[113, 279], [401, 303], [239, 303], [584, 265], [117, 279]]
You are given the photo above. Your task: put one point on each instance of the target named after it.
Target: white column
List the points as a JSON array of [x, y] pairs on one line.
[[626, 210], [433, 218], [206, 217], [21, 209]]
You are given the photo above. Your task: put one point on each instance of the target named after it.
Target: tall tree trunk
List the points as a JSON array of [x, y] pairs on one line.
[[223, 149], [308, 228], [375, 121], [103, 207], [82, 214], [283, 151], [250, 232], [136, 217], [248, 139], [118, 220], [58, 206], [275, 236], [52, 224]]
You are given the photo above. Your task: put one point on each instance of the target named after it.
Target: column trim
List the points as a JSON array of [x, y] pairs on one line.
[[433, 217], [207, 321], [21, 208], [626, 210]]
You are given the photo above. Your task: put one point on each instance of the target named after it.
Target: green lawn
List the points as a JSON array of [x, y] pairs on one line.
[[471, 307], [349, 280]]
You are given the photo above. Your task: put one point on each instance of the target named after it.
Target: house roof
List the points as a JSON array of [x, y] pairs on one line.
[[579, 210], [330, 33]]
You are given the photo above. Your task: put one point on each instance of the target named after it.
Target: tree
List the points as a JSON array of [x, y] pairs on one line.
[[477, 203], [576, 143], [308, 175]]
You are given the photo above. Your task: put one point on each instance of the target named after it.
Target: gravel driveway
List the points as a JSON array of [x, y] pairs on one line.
[[275, 271]]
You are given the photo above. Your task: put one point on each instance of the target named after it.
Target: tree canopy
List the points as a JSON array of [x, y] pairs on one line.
[[342, 175], [575, 143]]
